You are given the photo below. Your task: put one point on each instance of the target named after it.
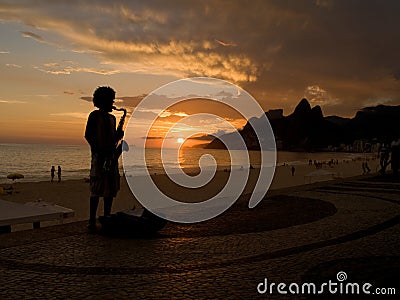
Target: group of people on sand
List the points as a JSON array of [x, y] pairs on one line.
[[319, 164], [53, 173]]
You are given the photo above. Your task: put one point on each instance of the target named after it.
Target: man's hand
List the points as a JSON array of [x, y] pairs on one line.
[[120, 134]]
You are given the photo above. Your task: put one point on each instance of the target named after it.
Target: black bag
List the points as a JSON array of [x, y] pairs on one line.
[[133, 222]]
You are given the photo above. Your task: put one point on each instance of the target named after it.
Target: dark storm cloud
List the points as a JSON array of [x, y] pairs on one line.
[[346, 48]]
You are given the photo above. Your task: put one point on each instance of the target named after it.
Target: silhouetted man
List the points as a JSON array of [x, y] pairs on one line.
[[59, 173], [102, 137], [384, 154], [52, 173], [395, 160]]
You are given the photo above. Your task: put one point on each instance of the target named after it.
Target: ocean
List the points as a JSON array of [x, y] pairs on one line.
[[34, 161]]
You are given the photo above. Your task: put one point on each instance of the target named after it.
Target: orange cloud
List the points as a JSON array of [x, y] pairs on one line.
[[132, 51]]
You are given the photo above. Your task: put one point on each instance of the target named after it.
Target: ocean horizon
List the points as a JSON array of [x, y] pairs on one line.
[[34, 161]]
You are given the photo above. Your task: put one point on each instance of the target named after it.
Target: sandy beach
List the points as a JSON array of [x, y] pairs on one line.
[[74, 194]]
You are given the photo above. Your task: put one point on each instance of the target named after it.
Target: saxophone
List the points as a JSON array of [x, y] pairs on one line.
[[122, 146], [112, 161]]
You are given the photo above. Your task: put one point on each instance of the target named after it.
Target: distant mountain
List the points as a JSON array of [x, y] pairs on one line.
[[380, 122], [306, 129], [337, 120]]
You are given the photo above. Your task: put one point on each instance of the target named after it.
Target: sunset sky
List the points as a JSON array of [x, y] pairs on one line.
[[342, 55]]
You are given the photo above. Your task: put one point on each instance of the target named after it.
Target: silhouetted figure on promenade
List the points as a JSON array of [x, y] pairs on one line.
[[363, 168], [293, 169], [384, 157], [52, 173], [395, 160], [103, 137], [59, 173], [367, 168]]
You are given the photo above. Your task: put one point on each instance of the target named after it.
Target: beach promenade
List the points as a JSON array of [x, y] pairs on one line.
[[299, 234]]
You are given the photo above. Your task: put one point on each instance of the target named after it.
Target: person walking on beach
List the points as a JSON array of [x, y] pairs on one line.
[[384, 157], [395, 159], [52, 173], [59, 173], [102, 136], [293, 169], [367, 168]]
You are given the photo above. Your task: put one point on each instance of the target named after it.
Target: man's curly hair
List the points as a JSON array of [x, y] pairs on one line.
[[103, 95]]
